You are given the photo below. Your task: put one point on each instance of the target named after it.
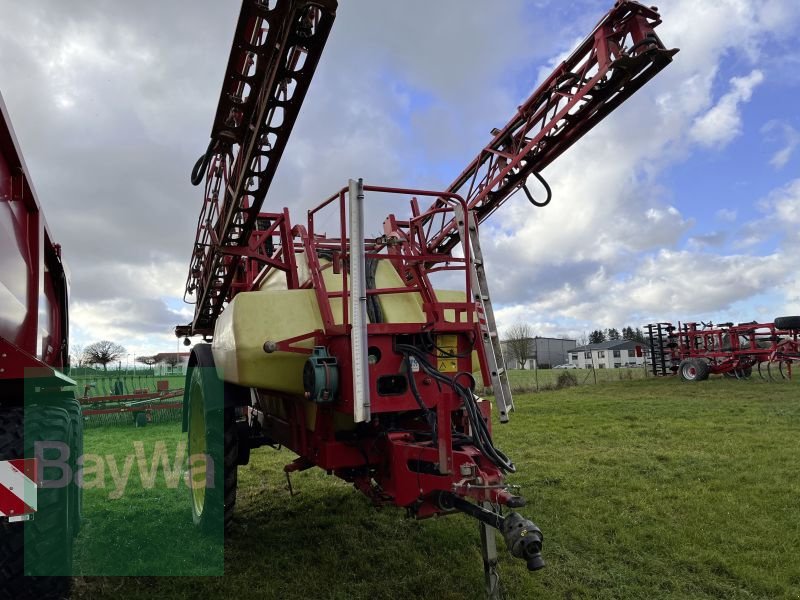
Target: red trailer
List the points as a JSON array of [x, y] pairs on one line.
[[35, 407], [697, 350]]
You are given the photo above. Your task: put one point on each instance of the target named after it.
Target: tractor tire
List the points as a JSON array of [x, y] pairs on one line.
[[140, 420], [693, 369], [36, 555], [73, 408], [787, 322], [68, 402], [212, 431]]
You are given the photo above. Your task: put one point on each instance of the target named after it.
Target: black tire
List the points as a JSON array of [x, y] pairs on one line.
[[693, 369], [205, 406], [37, 567], [68, 402], [140, 420], [73, 408], [787, 322]]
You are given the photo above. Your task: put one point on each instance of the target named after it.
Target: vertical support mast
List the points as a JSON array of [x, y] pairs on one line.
[[358, 304]]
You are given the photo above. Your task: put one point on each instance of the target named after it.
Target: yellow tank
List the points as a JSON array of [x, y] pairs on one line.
[[275, 313]]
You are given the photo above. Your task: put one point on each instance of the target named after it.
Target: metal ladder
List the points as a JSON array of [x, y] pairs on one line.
[[468, 231]]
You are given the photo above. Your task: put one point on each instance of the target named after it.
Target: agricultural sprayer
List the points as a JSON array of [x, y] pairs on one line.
[[338, 346]]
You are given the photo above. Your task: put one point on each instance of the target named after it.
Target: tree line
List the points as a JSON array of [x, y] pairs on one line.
[[105, 352], [612, 334]]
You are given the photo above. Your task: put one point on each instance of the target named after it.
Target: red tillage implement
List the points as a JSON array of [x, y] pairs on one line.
[[143, 406], [339, 347], [696, 350]]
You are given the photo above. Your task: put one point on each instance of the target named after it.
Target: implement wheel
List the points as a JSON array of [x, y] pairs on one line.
[[787, 322], [693, 369], [213, 444]]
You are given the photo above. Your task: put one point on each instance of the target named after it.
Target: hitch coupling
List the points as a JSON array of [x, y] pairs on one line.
[[523, 538]]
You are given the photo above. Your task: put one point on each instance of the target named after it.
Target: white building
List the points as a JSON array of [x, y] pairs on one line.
[[608, 355]]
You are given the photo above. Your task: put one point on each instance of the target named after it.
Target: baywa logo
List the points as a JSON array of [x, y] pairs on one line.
[[89, 470]]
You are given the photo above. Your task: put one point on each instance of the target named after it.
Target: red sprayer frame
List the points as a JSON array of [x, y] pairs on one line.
[[425, 442]]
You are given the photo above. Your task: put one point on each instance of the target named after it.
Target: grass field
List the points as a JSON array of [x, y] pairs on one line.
[[527, 380], [643, 489], [141, 527], [102, 383]]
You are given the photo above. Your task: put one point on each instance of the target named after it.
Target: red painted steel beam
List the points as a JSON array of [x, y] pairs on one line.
[[616, 59], [273, 58]]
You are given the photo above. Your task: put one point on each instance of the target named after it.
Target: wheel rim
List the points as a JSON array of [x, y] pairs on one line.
[[197, 444]]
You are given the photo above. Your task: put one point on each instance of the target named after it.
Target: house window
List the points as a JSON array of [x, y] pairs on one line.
[[574, 357], [587, 355], [601, 366], [631, 353], [616, 353], [617, 365], [601, 354]]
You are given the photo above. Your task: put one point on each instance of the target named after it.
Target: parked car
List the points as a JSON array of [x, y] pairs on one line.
[[566, 366]]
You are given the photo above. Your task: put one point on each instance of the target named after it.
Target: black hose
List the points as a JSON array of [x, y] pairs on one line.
[[374, 311], [533, 200], [481, 436], [200, 167], [430, 416]]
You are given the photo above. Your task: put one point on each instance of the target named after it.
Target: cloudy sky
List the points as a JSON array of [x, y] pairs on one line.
[[684, 204]]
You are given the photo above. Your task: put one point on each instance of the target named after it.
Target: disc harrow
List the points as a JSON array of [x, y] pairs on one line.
[[696, 350]]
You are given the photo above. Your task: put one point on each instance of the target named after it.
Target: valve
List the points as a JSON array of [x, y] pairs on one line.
[[321, 376]]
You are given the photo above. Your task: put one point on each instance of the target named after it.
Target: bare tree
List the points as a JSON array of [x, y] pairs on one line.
[[172, 359], [519, 343], [77, 356], [147, 360], [103, 352]]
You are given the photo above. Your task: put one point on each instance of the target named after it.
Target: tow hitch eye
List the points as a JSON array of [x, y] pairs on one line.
[[524, 540]]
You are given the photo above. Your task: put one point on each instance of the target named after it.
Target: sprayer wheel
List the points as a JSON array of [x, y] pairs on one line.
[[212, 431]]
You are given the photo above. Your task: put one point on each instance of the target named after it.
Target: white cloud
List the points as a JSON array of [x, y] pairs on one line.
[[607, 251], [723, 122], [410, 104], [787, 135]]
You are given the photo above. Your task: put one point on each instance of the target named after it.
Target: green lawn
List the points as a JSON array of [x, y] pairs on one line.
[[143, 526], [643, 489]]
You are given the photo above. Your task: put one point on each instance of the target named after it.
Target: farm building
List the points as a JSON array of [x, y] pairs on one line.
[[608, 355], [542, 351]]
